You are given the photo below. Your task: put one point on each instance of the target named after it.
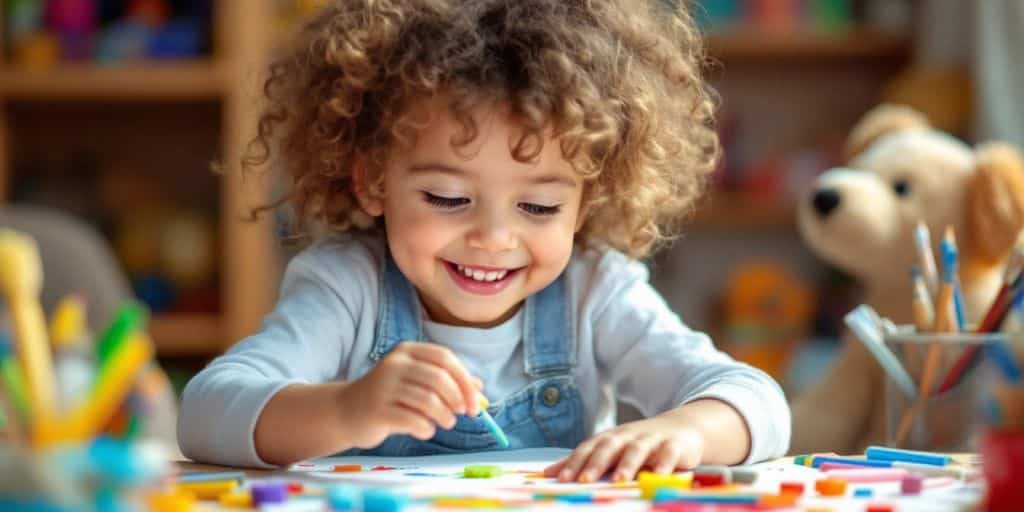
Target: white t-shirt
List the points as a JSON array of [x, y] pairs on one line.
[[631, 347]]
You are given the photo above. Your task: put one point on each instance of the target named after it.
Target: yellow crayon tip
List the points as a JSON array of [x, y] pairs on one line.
[[68, 322]]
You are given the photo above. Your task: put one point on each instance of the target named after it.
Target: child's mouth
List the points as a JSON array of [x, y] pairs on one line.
[[481, 281]]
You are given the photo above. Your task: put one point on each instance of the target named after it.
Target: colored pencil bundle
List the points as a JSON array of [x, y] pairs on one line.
[[59, 419], [938, 308]]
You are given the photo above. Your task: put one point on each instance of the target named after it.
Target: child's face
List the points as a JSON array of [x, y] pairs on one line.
[[481, 212]]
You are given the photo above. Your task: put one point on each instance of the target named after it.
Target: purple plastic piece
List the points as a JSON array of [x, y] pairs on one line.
[[271, 492]]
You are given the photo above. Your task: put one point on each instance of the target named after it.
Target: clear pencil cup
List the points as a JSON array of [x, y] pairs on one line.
[[948, 374]]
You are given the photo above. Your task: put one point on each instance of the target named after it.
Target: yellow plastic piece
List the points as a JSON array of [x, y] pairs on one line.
[[112, 386], [468, 503], [650, 482], [171, 502], [236, 500], [67, 324], [209, 490], [21, 279]]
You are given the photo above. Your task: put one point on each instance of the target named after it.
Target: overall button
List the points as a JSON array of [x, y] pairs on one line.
[[551, 396]]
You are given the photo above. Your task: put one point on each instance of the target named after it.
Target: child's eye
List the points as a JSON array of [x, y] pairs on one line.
[[539, 210], [444, 202]]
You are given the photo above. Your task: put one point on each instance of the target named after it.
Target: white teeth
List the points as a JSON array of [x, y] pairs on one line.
[[481, 275]]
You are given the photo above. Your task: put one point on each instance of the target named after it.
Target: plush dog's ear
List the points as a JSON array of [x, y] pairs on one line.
[[995, 200], [882, 120]]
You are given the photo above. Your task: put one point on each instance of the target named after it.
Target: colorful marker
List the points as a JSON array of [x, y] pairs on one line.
[[897, 455], [492, 426]]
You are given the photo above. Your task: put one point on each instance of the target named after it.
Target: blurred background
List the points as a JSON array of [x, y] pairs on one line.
[[112, 112]]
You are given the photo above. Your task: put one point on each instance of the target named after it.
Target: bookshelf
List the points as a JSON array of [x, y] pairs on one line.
[[225, 88], [229, 80]]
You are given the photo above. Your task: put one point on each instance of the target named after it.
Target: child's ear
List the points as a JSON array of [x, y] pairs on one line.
[[995, 200], [370, 199]]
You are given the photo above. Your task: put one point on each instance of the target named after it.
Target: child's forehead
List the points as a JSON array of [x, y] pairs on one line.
[[496, 132]]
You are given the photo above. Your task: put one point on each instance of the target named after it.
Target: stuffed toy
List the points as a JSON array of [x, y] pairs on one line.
[[861, 218]]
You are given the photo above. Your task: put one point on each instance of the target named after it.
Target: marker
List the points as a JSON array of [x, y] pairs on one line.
[[897, 455], [923, 243], [950, 259], [859, 321], [1003, 359], [818, 461], [12, 381], [492, 426], [21, 280]]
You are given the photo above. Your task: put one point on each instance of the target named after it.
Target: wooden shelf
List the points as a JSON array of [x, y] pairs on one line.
[[759, 44], [731, 211], [186, 335], [170, 80]]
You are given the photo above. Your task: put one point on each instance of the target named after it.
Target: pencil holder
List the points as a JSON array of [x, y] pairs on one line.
[[944, 412]]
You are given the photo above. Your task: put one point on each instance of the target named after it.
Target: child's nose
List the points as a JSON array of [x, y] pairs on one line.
[[493, 233]]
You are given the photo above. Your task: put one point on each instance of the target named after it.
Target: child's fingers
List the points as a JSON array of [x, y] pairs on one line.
[[410, 421], [443, 358], [634, 455], [605, 454], [574, 462], [437, 380], [665, 458], [428, 404], [555, 468]]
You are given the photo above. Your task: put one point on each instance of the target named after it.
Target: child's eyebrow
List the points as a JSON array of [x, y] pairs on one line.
[[543, 179]]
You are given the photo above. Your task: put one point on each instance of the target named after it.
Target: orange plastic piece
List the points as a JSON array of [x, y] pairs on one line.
[[831, 487]]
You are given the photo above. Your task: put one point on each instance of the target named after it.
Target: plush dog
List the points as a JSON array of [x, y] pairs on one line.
[[861, 218]]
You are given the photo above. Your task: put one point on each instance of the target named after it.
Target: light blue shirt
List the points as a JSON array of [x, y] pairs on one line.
[[327, 325]]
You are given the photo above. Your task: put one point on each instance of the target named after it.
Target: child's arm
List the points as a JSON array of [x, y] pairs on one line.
[[416, 388], [275, 397], [703, 407]]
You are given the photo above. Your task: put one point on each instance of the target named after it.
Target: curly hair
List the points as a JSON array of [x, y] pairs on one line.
[[617, 83]]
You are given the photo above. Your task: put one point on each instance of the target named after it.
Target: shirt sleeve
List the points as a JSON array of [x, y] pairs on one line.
[[656, 363], [303, 340]]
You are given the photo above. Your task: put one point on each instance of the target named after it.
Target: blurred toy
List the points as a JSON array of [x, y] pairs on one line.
[[862, 218], [63, 463], [167, 253], [74, 357], [74, 22], [153, 13], [767, 312], [123, 41]]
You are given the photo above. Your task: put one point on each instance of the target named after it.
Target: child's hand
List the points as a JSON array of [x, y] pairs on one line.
[[413, 390], [658, 444]]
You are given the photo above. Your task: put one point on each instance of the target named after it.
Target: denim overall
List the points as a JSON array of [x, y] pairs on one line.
[[546, 413]]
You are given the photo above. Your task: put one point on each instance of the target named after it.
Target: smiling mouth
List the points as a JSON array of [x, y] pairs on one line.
[[481, 274]]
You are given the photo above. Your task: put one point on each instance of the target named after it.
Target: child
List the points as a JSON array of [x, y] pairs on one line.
[[489, 170]]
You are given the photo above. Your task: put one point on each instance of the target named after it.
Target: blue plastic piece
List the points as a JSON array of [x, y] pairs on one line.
[[384, 500], [863, 492], [672, 495], [343, 498]]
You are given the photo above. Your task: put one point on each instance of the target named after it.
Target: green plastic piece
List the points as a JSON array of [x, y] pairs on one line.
[[481, 471]]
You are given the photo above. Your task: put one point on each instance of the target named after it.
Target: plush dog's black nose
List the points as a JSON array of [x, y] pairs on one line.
[[824, 201]]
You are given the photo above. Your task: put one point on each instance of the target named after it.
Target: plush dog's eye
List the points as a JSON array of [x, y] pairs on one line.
[[901, 187]]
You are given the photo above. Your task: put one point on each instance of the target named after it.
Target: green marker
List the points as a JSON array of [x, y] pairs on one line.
[[13, 381], [491, 425], [128, 319]]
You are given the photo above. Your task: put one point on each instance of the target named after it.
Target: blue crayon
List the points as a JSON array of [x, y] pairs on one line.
[[818, 461], [881, 453]]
